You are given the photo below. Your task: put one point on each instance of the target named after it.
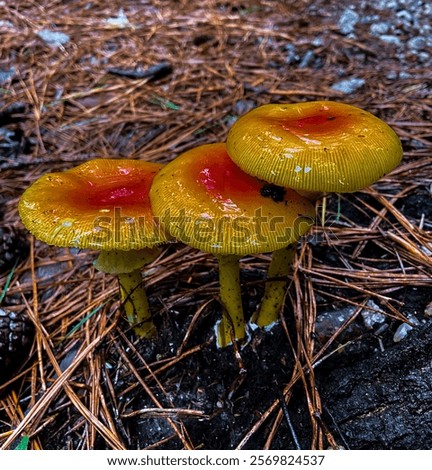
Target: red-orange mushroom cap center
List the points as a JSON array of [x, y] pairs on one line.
[[222, 179], [322, 122], [115, 192], [203, 199], [314, 146], [102, 204]]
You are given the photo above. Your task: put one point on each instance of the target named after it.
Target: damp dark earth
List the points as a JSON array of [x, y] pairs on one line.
[[349, 364]]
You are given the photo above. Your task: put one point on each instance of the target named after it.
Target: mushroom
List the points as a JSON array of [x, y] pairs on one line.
[[104, 205], [318, 146], [204, 200], [312, 147]]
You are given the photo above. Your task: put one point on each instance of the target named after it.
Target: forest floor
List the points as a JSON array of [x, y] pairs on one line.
[[350, 363]]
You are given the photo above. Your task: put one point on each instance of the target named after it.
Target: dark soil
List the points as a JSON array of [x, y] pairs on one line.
[[349, 365]]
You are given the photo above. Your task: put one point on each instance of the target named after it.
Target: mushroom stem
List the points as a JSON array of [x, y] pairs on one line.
[[275, 287], [127, 266], [232, 323], [135, 303], [314, 196]]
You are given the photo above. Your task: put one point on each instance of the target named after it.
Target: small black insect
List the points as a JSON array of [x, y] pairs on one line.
[[277, 193]]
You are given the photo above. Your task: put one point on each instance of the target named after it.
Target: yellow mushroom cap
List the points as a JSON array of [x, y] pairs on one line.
[[204, 200], [102, 204], [321, 146]]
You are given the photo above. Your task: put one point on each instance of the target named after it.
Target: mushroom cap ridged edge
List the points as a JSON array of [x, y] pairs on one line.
[[321, 146], [54, 209]]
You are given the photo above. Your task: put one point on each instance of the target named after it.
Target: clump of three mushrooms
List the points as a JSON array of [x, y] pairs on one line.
[[227, 200]]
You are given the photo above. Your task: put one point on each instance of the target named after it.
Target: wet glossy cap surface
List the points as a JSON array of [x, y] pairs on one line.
[[314, 146], [203, 199], [102, 204]]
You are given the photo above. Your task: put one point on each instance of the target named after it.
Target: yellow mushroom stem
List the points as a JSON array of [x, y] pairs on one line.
[[135, 303], [275, 287], [232, 324], [127, 266], [314, 196]]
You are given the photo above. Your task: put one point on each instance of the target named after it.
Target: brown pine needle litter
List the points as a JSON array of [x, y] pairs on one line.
[[149, 80]]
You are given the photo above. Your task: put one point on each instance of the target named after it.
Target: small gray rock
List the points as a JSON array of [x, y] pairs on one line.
[[391, 39], [53, 38], [350, 85], [416, 43], [377, 29], [348, 21], [402, 332]]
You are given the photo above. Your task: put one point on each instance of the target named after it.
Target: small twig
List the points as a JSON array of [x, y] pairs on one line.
[[288, 421], [165, 412], [155, 72]]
